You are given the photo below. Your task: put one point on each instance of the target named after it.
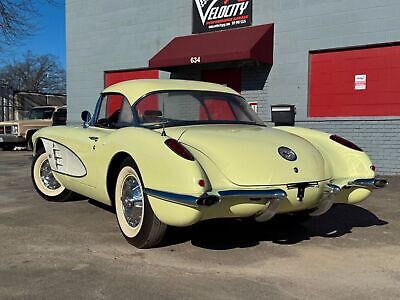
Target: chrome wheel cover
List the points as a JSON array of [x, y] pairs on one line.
[[132, 201], [47, 177]]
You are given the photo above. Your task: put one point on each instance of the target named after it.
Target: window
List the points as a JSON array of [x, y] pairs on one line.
[[115, 112], [178, 108], [218, 109], [41, 113]]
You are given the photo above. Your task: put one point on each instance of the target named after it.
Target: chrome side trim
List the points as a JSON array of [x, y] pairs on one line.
[[269, 194], [374, 183]]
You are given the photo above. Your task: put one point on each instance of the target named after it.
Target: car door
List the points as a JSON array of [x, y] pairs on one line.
[[88, 142]]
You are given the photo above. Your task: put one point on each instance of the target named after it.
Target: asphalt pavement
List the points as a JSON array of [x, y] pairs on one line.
[[74, 250]]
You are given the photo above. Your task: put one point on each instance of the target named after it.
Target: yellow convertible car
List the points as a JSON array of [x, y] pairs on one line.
[[175, 152]]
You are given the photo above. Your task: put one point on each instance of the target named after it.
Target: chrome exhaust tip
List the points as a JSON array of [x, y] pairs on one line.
[[371, 183], [380, 183]]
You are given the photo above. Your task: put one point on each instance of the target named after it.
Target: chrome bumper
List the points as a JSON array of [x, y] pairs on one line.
[[273, 197], [209, 199], [327, 200], [374, 183]]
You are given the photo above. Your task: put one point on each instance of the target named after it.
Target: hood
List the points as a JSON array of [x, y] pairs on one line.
[[248, 155]]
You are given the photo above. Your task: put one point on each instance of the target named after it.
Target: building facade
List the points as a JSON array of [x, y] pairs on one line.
[[337, 61]]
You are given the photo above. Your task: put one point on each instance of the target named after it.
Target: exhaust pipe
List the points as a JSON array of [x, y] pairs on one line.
[[376, 183], [380, 183]]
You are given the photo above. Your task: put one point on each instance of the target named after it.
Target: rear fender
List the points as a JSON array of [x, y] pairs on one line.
[[161, 169], [344, 164]]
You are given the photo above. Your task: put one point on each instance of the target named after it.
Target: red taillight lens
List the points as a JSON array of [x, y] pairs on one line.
[[345, 142], [373, 168], [179, 149]]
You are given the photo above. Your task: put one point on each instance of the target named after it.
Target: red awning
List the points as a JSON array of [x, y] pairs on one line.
[[250, 43]]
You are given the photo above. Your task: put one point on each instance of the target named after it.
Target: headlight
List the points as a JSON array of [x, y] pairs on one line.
[[14, 129]]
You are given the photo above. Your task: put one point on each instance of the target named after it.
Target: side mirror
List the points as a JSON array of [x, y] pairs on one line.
[[86, 117]]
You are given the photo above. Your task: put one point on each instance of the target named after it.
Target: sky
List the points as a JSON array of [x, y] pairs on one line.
[[50, 36]]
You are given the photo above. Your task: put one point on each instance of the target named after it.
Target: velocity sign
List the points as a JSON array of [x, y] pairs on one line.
[[213, 15]]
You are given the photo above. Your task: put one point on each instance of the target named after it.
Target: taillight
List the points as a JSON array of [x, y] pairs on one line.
[[345, 142], [179, 149]]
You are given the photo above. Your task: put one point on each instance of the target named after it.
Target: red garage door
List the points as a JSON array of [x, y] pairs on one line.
[[361, 82], [113, 77]]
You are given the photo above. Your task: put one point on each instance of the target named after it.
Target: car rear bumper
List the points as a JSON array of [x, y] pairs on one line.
[[209, 199], [262, 204]]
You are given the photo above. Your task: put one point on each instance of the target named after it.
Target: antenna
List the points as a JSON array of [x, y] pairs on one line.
[[163, 133]]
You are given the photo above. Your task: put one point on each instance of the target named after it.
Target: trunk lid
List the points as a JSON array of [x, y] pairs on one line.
[[248, 155]]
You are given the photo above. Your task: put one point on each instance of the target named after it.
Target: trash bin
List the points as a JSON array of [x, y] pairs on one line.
[[283, 114]]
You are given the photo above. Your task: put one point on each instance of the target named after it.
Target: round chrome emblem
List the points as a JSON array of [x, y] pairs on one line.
[[287, 153]]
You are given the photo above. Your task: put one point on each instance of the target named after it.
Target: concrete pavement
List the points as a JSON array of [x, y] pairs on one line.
[[75, 251]]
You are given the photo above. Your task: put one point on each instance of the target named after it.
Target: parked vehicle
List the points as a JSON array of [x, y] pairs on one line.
[[19, 133], [173, 152]]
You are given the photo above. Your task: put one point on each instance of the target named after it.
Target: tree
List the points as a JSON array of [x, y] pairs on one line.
[[17, 20], [35, 74]]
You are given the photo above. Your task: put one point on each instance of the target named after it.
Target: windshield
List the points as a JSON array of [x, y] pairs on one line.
[[194, 107], [41, 113]]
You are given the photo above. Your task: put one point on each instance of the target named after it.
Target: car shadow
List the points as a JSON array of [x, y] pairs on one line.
[[227, 234], [110, 209]]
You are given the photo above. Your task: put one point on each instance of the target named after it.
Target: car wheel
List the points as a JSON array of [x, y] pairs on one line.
[[136, 219], [44, 181]]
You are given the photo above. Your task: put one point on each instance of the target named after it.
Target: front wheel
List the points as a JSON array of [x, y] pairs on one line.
[[136, 219], [44, 181]]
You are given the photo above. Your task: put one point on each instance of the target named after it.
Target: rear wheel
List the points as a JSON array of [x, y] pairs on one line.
[[136, 219], [44, 181]]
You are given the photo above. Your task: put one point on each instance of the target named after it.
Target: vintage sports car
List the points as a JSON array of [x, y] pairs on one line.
[[174, 152]]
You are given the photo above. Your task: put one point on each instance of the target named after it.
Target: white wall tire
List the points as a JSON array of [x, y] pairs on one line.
[[44, 182], [136, 219], [130, 225]]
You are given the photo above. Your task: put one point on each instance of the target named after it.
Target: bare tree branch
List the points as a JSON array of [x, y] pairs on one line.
[[35, 73], [17, 20]]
